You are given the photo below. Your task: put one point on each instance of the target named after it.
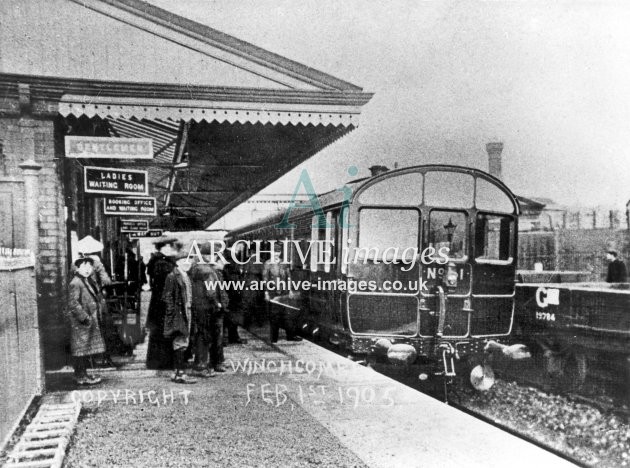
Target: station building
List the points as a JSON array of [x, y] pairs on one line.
[[225, 118]]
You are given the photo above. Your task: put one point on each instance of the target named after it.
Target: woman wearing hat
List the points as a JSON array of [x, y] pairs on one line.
[[84, 305], [91, 248], [160, 349]]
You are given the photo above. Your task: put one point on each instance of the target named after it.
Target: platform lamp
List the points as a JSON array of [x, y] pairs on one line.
[[450, 230]]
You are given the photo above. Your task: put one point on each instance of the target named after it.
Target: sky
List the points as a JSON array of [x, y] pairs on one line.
[[551, 80]]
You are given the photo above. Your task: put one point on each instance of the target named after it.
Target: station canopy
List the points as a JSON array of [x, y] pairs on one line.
[[226, 118]]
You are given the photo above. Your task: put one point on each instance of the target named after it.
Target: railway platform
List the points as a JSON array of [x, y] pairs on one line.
[[287, 404]]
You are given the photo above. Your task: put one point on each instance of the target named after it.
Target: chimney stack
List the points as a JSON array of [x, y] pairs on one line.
[[494, 150], [378, 170]]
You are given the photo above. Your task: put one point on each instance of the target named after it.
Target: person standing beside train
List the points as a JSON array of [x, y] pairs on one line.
[[617, 272], [276, 277], [208, 308]]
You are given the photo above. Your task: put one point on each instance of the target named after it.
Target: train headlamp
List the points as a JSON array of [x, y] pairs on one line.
[[451, 275]]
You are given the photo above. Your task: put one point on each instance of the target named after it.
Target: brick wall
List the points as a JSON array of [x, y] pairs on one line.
[[34, 138]]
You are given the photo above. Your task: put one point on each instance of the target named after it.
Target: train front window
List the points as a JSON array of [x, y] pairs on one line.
[[387, 232], [492, 198], [493, 236], [402, 190], [448, 189], [447, 231]]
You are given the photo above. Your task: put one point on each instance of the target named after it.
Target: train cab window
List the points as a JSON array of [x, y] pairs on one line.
[[493, 236], [402, 190], [447, 230], [382, 230], [448, 189], [491, 198]]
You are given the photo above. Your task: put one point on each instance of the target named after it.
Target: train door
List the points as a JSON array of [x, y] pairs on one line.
[[445, 274], [383, 273]]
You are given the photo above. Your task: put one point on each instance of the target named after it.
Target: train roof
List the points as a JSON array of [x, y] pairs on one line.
[[337, 196]]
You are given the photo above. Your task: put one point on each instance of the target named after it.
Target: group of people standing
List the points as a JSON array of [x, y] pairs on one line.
[[186, 316]]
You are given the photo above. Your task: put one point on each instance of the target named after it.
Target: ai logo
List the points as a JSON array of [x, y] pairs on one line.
[[546, 297]]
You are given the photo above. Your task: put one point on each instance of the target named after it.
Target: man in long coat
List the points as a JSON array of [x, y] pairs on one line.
[[84, 304], [177, 298], [208, 309], [274, 271], [160, 349]]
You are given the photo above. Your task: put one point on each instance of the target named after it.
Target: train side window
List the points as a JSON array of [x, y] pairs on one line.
[[447, 230], [342, 229], [318, 232], [493, 235], [327, 249]]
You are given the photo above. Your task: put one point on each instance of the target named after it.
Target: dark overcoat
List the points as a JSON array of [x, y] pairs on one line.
[[84, 304], [176, 318], [208, 304], [617, 272], [159, 268]]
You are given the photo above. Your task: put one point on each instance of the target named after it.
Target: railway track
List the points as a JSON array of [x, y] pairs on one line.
[[570, 425]]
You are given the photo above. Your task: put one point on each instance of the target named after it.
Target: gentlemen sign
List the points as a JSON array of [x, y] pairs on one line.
[[116, 181], [108, 148], [130, 206], [134, 225]]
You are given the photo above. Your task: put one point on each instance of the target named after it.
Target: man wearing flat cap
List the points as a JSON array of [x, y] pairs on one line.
[[617, 272], [160, 349]]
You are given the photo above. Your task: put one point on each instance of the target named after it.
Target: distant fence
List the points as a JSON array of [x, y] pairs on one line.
[[20, 367], [572, 250]]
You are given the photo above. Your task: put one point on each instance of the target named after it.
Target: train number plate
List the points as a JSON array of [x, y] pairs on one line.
[[546, 316]]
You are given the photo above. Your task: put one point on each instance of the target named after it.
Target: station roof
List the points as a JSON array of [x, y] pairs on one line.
[[226, 117]]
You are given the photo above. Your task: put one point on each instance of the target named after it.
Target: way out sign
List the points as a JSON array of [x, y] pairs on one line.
[[149, 233], [109, 180], [130, 206], [134, 225]]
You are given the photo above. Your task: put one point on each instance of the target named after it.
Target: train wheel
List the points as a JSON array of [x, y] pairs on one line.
[[574, 371], [568, 369]]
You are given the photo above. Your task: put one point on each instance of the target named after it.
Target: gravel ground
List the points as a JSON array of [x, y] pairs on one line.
[[215, 428], [578, 430]]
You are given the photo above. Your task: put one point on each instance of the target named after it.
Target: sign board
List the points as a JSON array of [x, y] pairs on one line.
[[109, 180], [134, 225], [130, 206], [108, 148], [150, 233]]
